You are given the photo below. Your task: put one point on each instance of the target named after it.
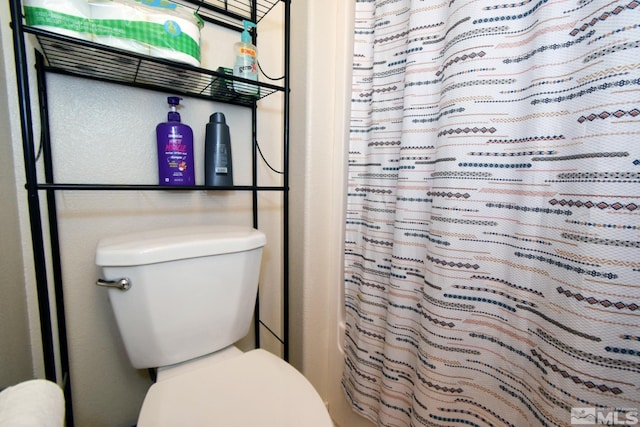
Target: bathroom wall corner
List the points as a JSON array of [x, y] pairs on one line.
[[15, 352]]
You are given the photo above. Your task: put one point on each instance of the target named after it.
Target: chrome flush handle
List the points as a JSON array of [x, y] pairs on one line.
[[123, 284]]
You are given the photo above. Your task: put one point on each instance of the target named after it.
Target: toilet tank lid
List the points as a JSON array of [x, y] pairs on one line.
[[168, 244]]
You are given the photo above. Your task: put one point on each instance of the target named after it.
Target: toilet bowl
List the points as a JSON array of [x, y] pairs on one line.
[[254, 388], [181, 298]]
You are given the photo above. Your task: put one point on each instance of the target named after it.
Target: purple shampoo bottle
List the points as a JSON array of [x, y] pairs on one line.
[[175, 149]]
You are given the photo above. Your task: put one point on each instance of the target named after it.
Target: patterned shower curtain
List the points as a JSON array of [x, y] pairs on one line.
[[492, 257]]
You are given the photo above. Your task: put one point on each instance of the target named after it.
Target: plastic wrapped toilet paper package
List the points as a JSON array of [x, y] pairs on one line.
[[110, 21], [66, 17], [151, 27]]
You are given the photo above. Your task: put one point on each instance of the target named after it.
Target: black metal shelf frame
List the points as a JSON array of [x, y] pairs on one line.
[[64, 55], [81, 58], [230, 13], [153, 187]]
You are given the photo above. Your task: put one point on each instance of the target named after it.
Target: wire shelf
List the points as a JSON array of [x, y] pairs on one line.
[[66, 55], [231, 12]]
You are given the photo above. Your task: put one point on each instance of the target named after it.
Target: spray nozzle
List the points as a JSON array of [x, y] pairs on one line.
[[246, 37], [173, 115], [173, 101]]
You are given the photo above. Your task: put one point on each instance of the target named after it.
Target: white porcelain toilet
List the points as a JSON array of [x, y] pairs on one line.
[[181, 298]]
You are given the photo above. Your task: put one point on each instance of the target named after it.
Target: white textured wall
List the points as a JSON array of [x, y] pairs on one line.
[[116, 144]]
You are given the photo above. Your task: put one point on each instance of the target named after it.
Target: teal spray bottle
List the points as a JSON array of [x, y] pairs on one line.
[[246, 65]]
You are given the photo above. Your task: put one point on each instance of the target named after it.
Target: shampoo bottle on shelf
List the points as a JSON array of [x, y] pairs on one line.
[[218, 169], [246, 62], [175, 149]]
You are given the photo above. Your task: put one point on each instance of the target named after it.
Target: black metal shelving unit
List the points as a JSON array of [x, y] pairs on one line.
[[64, 55]]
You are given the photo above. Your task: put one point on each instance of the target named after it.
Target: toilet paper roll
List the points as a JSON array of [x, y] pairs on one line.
[[32, 403], [66, 17], [180, 39], [113, 21]]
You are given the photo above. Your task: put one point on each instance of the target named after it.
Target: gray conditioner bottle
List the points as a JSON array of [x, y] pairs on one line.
[[217, 152]]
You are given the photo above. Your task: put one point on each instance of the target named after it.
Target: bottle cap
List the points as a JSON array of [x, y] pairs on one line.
[[245, 37], [173, 100], [217, 118]]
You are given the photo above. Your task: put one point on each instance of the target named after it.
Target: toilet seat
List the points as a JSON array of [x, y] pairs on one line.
[[253, 389]]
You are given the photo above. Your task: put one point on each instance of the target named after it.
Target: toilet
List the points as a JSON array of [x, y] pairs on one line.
[[181, 298]]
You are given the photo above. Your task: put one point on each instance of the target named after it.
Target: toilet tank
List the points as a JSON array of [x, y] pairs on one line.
[[193, 289]]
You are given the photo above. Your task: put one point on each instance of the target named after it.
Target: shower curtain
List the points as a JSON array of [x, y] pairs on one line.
[[492, 254]]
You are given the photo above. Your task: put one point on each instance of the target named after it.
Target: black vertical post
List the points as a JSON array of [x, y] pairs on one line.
[[285, 207], [54, 236], [254, 169], [254, 195], [35, 219]]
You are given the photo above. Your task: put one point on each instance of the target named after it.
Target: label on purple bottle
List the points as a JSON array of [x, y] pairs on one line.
[[176, 163]]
